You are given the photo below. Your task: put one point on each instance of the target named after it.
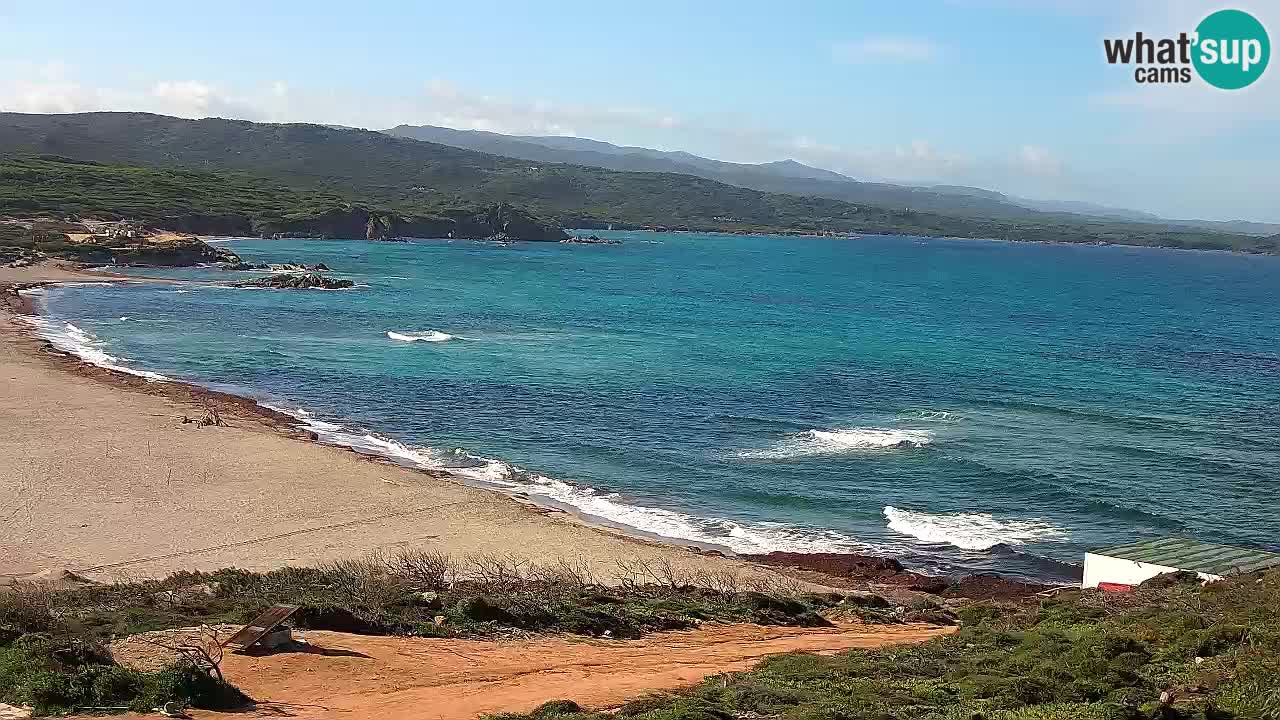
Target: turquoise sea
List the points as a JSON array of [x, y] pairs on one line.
[[963, 405]]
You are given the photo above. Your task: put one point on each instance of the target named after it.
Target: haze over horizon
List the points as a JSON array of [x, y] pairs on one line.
[[1012, 97]]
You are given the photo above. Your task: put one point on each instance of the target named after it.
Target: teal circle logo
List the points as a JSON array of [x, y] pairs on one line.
[[1232, 49]]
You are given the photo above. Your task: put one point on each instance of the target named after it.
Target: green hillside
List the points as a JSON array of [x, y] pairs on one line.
[[312, 162]]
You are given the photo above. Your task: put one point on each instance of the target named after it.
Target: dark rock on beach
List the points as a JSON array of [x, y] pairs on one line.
[[989, 586], [837, 564], [298, 281], [869, 569]]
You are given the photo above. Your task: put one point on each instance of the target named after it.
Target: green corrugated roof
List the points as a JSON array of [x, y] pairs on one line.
[[1191, 555]]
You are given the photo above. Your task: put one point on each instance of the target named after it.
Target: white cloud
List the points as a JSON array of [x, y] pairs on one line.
[[50, 89], [1020, 167], [886, 48], [1037, 160], [189, 98], [445, 104]]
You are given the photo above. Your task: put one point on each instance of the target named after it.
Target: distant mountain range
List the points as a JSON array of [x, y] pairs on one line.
[[279, 176], [792, 178]]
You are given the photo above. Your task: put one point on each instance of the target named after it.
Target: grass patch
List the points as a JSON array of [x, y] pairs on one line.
[[1212, 652], [53, 642]]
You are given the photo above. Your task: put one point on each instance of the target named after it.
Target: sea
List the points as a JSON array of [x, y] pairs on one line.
[[961, 405]]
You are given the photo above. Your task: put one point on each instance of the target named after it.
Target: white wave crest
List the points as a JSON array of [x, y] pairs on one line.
[[834, 442], [942, 416], [738, 536], [494, 474], [76, 341], [429, 336], [969, 531]]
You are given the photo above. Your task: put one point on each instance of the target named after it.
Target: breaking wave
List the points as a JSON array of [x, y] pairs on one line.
[[969, 531], [84, 345], [429, 336], [939, 416], [834, 442], [740, 537]]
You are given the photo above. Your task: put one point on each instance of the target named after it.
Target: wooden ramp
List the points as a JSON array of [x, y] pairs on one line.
[[261, 625]]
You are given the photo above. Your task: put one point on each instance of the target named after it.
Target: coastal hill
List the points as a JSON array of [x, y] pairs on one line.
[[784, 176], [412, 178], [794, 178], [229, 204]]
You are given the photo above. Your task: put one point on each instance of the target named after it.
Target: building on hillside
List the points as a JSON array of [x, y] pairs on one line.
[[1123, 566]]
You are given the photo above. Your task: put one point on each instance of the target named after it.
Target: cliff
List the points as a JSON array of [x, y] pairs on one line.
[[499, 222], [77, 243]]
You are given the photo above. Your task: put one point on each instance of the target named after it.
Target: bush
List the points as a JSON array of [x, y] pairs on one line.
[[1083, 655], [556, 708]]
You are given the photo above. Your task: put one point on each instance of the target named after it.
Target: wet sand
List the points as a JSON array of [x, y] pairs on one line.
[[100, 475]]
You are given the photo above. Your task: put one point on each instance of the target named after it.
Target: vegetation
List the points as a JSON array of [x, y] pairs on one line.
[[53, 652], [270, 172], [1211, 652]]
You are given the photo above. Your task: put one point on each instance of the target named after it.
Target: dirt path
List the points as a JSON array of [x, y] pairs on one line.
[[352, 676]]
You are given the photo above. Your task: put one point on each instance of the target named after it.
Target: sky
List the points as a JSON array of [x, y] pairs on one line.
[[1010, 95]]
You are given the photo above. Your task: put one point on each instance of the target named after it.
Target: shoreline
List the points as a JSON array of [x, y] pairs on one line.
[[290, 425], [248, 416], [265, 418]]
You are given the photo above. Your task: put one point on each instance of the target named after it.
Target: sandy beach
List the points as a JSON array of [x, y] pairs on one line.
[[100, 475]]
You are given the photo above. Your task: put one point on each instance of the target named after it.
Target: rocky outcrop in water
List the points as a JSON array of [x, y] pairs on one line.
[[277, 267], [510, 223], [590, 240], [297, 281]]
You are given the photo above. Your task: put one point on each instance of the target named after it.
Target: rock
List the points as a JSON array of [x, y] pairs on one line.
[[298, 281], [837, 564], [510, 223], [277, 267], [590, 240], [989, 586], [181, 252]]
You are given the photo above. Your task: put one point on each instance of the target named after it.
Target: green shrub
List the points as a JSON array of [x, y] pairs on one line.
[[555, 708], [1083, 655]]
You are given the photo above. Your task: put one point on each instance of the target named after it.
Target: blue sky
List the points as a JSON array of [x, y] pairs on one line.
[[1012, 95]]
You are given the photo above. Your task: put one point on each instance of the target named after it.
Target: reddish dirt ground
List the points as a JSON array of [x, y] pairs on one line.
[[352, 676]]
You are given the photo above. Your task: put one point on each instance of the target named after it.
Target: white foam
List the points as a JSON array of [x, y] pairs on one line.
[[670, 524], [834, 442], [428, 336], [71, 339], [942, 416], [737, 536], [969, 531]]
